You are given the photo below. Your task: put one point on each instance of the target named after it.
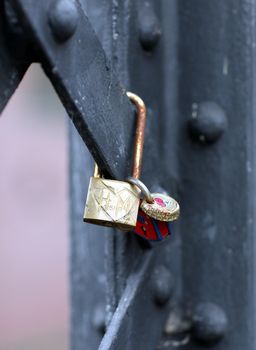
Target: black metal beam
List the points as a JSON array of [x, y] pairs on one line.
[[130, 33], [12, 68], [217, 168], [142, 303], [75, 61]]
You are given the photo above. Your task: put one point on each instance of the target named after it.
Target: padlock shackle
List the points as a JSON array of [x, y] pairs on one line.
[[96, 172], [140, 133], [138, 139]]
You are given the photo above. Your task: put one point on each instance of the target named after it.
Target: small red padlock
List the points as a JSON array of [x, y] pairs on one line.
[[151, 229]]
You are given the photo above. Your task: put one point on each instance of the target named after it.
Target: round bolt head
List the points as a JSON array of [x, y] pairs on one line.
[[209, 323], [63, 18], [163, 285], [208, 121], [98, 318], [149, 28]]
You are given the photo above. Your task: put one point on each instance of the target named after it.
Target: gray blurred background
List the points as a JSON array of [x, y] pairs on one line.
[[34, 218]]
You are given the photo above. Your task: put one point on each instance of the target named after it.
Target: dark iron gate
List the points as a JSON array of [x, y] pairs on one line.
[[193, 63]]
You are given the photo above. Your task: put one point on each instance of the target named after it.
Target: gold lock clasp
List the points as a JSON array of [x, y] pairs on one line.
[[112, 202]]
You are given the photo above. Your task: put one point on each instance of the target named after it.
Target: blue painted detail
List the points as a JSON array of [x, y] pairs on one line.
[[158, 232], [141, 219], [169, 228]]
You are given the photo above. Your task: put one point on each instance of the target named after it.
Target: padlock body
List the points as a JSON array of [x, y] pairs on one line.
[[112, 203]]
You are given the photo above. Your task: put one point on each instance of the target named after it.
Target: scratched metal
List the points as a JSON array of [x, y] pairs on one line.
[[192, 62]]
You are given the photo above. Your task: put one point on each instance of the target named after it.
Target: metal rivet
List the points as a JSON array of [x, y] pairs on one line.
[[98, 319], [63, 18], [163, 285], [208, 121], [209, 323], [149, 27]]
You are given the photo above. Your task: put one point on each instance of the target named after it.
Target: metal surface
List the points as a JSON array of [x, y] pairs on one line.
[[140, 300], [127, 251], [63, 19], [209, 323], [193, 63], [12, 69], [76, 64], [87, 270], [125, 255], [86, 85], [208, 121], [112, 203], [217, 180]]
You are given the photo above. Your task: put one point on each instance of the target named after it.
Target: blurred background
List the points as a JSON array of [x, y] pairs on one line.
[[34, 218]]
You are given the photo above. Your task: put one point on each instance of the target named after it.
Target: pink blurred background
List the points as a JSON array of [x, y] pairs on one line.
[[34, 218]]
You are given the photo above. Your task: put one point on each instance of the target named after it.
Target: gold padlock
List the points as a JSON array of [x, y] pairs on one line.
[[112, 202]]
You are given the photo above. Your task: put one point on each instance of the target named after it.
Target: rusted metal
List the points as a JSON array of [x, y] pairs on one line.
[[140, 133]]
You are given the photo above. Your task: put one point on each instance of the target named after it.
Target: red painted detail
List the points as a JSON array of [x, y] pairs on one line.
[[146, 229], [160, 202]]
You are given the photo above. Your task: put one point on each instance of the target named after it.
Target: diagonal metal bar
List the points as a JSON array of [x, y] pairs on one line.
[[11, 69], [129, 328], [86, 84]]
